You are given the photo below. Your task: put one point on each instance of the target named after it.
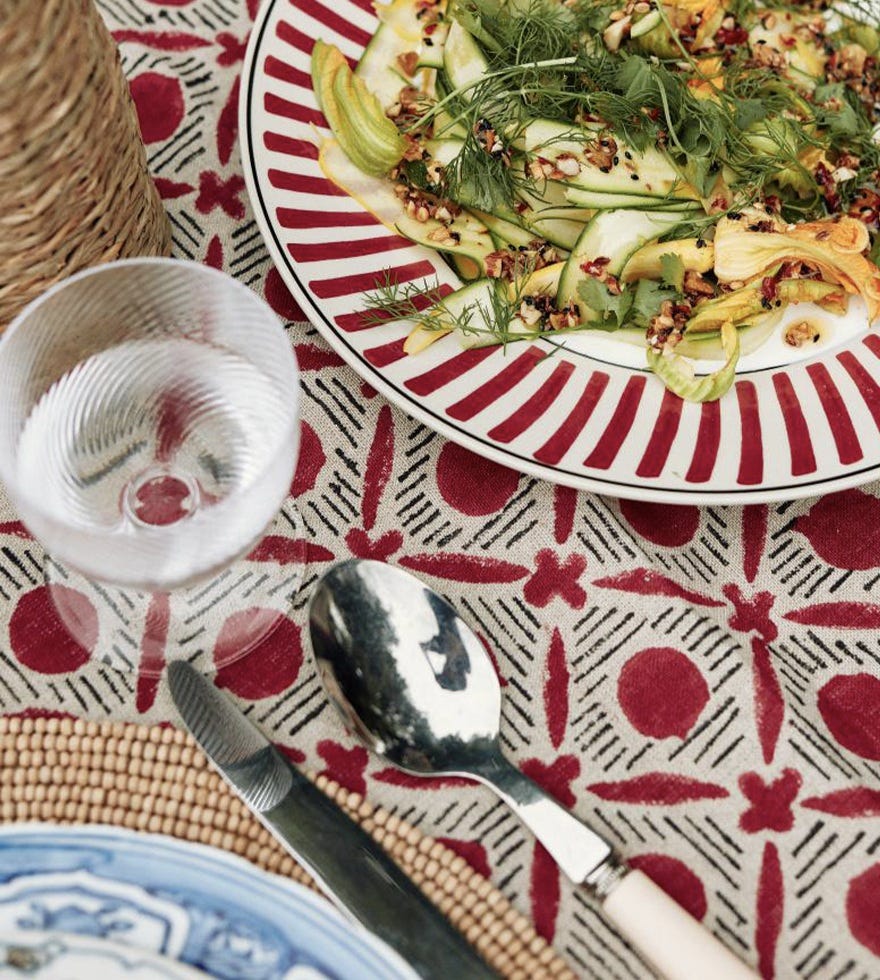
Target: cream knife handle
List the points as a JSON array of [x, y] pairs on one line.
[[672, 941]]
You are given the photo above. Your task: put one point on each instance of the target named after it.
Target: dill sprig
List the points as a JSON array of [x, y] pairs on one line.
[[424, 304], [392, 300], [492, 318], [478, 180]]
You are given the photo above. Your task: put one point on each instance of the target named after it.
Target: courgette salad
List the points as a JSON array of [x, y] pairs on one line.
[[680, 171]]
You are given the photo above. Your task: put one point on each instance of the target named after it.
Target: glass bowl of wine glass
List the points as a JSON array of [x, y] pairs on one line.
[[148, 439]]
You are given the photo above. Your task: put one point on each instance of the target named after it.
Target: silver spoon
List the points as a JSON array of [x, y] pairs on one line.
[[417, 686]]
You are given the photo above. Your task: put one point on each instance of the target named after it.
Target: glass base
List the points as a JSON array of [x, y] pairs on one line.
[[211, 625]]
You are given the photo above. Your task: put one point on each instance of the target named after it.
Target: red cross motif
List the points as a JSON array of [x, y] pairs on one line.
[[346, 766], [771, 802], [215, 192], [553, 577], [233, 49], [751, 613], [379, 548]]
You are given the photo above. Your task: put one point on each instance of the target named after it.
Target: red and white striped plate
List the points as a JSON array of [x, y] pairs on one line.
[[589, 416]]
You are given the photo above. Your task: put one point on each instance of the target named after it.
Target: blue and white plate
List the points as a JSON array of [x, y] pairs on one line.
[[183, 901]]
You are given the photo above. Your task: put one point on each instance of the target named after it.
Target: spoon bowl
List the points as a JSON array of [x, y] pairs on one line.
[[409, 676]]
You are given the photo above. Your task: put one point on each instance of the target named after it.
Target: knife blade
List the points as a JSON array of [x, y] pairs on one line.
[[345, 861]]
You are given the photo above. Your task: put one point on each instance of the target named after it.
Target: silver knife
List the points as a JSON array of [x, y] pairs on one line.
[[354, 871]]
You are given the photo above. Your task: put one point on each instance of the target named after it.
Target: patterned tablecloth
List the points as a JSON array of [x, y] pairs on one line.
[[701, 685]]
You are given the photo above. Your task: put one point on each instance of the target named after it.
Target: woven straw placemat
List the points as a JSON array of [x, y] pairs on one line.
[[155, 779]]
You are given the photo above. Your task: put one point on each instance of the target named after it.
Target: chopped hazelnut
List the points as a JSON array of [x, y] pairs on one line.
[[802, 333], [408, 62]]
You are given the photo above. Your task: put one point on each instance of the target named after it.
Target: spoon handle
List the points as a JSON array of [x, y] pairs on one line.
[[672, 941], [579, 851]]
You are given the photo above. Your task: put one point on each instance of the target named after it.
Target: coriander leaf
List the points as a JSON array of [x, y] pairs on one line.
[[485, 195], [637, 82], [672, 270], [612, 309], [828, 91], [593, 17], [842, 122], [835, 112], [416, 173], [649, 296]]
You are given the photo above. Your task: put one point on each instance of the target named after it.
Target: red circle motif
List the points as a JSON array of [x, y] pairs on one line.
[[863, 908], [310, 460], [159, 103], [676, 879], [471, 484], [669, 525], [662, 692], [163, 500], [268, 669], [279, 297], [38, 636], [828, 526], [850, 706]]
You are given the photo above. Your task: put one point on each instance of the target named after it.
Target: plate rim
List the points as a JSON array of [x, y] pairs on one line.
[[324, 907], [644, 492]]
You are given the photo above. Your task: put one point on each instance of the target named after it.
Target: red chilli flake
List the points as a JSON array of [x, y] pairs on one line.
[[595, 267], [732, 36], [769, 288], [829, 188]]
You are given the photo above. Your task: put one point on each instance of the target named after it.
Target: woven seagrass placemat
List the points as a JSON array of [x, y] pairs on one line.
[[155, 779]]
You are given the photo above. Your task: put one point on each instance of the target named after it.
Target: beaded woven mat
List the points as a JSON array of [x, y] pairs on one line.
[[155, 779]]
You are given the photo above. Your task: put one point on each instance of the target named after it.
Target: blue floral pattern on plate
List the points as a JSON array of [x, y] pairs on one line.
[[185, 901]]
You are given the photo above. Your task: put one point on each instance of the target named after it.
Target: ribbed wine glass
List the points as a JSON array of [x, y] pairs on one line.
[[148, 439]]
